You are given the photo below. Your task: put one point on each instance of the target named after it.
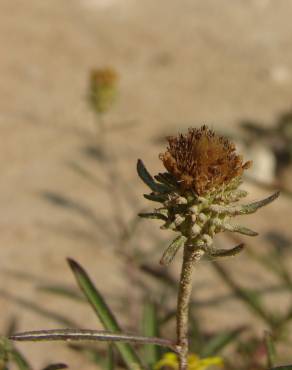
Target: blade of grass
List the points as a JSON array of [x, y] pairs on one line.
[[5, 347], [271, 351], [104, 313], [150, 329], [111, 358], [8, 353], [19, 360]]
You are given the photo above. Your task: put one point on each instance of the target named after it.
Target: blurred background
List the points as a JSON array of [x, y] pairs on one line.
[[69, 184]]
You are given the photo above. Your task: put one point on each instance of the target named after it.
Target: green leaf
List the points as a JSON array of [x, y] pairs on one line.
[[148, 179], [286, 367], [253, 207], [156, 197], [153, 216], [239, 229], [271, 351], [5, 348], [19, 360], [220, 341], [150, 329], [56, 367], [104, 313], [218, 253], [9, 353], [111, 358], [172, 249], [244, 209]]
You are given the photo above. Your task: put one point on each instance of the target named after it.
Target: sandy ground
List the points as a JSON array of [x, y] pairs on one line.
[[180, 63]]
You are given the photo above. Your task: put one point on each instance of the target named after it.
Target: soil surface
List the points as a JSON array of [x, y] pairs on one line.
[[180, 64]]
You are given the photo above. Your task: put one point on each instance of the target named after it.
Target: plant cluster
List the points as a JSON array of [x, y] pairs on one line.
[[199, 195]]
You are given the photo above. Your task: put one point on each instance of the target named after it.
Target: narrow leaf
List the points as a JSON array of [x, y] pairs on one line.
[[148, 179], [9, 353], [110, 358], [166, 180], [56, 367], [156, 197], [271, 351], [218, 253], [171, 251], [239, 229], [104, 313], [150, 329], [88, 335], [153, 216], [253, 207], [244, 209], [19, 360]]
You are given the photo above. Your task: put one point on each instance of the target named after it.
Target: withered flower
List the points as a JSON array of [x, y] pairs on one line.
[[199, 192], [102, 88], [198, 196], [202, 161]]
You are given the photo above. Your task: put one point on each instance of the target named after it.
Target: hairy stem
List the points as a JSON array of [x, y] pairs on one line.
[[191, 255]]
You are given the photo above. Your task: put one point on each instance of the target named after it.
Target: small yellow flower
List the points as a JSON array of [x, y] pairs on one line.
[[170, 361], [102, 89]]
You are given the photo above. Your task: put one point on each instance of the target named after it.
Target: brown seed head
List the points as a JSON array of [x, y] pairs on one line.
[[202, 161]]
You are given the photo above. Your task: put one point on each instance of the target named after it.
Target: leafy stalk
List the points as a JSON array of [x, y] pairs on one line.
[[105, 315]]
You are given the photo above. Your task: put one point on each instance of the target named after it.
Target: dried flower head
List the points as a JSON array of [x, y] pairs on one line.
[[102, 88], [199, 192], [202, 161]]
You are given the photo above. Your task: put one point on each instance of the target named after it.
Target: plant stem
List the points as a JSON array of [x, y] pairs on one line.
[[191, 255], [90, 335]]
